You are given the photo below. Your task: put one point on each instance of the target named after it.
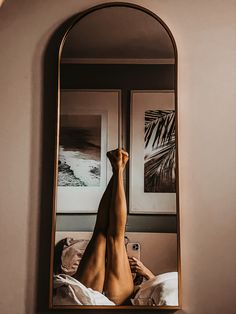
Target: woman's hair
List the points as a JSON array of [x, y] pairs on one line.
[[59, 247]]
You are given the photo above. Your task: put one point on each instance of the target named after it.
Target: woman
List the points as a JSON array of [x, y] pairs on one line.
[[104, 266], [102, 274]]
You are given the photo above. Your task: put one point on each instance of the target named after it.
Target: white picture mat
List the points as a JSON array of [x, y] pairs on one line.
[[140, 202], [85, 199]]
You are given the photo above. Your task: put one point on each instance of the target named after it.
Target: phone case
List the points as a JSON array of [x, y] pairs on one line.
[[133, 250]]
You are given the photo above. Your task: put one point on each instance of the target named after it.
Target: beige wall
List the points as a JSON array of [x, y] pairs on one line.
[[205, 36]]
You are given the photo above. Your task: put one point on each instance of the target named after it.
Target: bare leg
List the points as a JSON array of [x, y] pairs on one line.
[[91, 270], [118, 284]]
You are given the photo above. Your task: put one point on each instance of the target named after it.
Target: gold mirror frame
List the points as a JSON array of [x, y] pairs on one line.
[[94, 307]]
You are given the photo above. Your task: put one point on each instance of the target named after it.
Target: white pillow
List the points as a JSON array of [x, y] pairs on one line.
[[161, 290]]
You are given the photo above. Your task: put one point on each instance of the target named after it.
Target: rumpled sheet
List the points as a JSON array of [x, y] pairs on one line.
[[69, 291], [161, 290]]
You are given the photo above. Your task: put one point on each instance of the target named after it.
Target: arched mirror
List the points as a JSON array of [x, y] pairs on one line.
[[115, 238]]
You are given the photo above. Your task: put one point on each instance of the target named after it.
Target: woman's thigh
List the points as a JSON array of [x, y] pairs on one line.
[[118, 284], [91, 270]]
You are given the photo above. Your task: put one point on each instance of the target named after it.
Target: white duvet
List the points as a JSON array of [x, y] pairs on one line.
[[159, 291], [69, 291]]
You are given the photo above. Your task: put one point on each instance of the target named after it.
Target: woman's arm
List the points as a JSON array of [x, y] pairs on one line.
[[138, 268]]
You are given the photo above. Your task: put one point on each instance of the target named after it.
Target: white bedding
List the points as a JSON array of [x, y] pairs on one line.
[[69, 291], [159, 291]]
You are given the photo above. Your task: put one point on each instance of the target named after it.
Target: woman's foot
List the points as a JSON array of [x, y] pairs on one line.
[[118, 159]]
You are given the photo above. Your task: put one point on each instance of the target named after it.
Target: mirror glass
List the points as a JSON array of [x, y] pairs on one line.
[[116, 234]]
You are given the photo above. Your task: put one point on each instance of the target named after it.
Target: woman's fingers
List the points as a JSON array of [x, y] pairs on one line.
[[132, 264], [132, 258], [132, 261], [134, 269]]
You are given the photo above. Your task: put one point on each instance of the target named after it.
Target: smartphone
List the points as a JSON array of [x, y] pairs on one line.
[[133, 250]]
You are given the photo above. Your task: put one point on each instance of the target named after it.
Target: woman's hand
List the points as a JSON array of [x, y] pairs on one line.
[[138, 268]]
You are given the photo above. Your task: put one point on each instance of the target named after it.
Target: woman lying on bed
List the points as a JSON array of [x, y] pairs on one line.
[[104, 266], [102, 274]]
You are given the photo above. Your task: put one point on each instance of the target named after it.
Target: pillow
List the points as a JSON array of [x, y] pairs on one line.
[[71, 255], [161, 290]]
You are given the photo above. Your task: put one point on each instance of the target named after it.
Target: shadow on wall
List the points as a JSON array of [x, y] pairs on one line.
[[50, 76], [49, 118]]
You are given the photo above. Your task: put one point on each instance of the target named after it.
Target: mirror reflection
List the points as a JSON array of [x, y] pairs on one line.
[[116, 239]]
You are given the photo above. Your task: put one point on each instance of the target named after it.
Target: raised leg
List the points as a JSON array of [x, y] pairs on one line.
[[118, 284], [91, 270]]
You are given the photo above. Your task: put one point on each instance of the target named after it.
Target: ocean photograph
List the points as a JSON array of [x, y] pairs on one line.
[[79, 162]]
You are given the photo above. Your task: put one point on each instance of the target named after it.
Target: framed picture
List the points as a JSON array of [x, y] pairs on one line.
[[83, 170], [153, 153]]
